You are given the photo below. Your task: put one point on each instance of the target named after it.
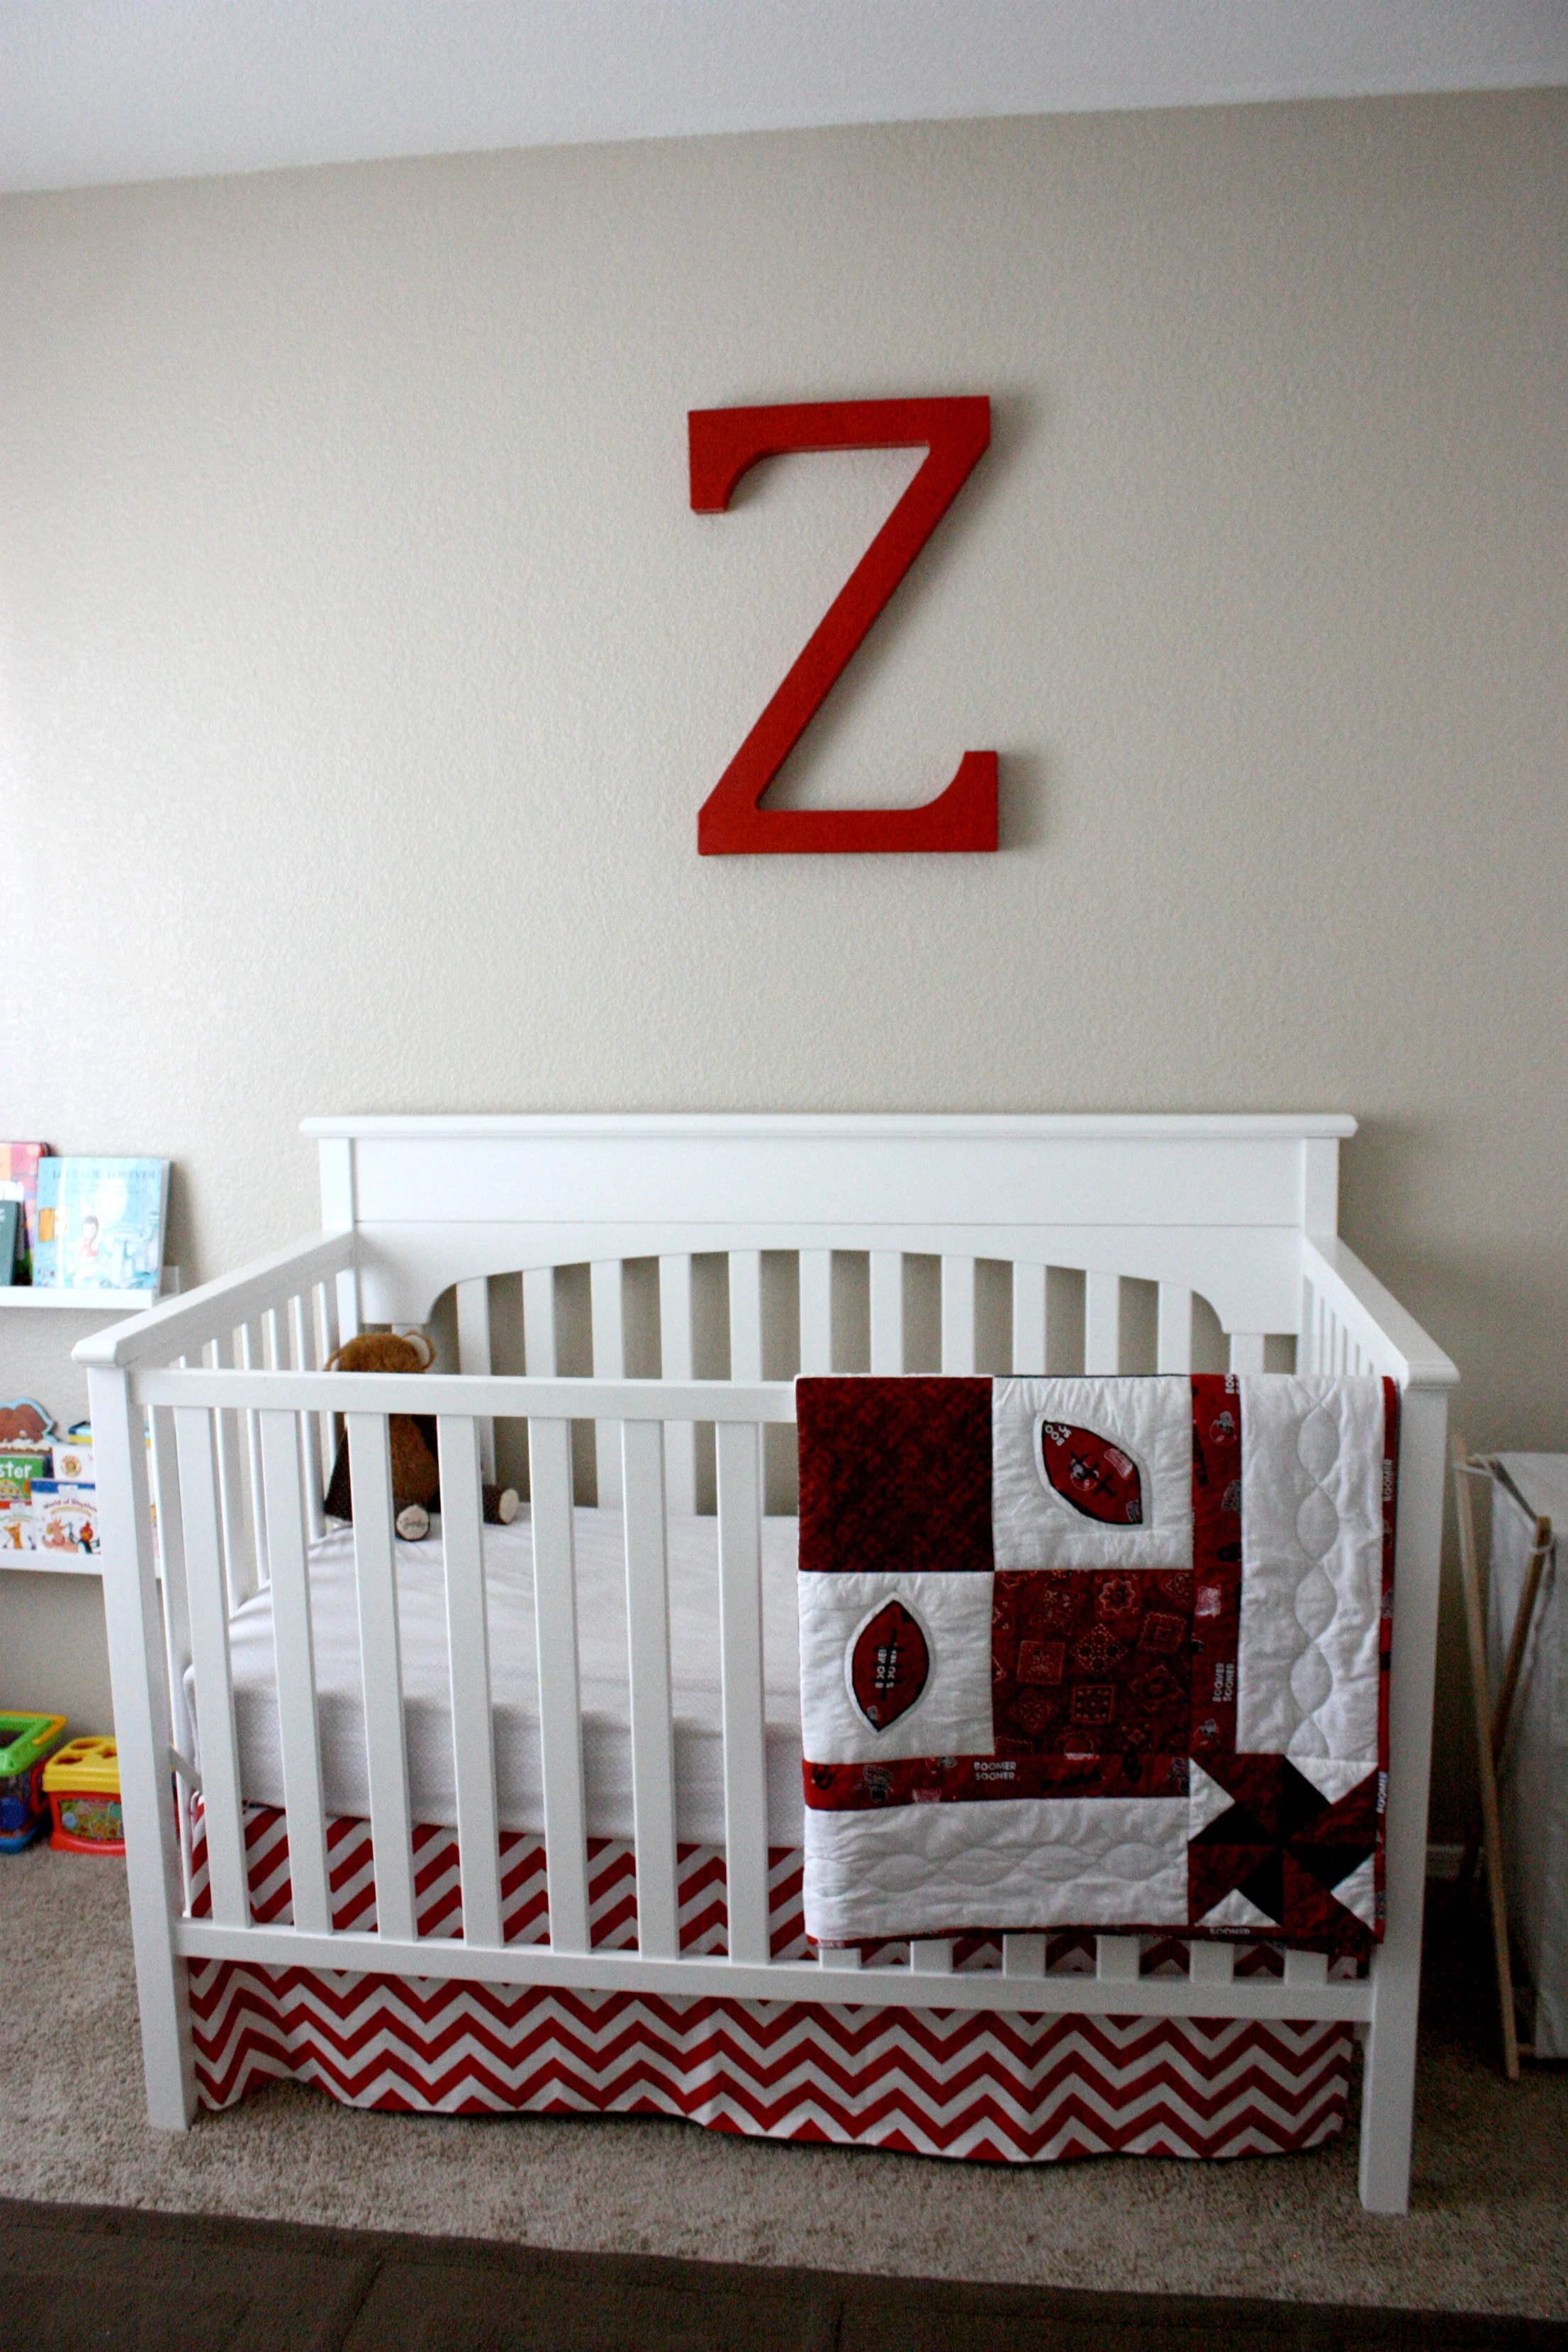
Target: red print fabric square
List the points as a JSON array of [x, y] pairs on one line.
[[1091, 1662], [895, 1475]]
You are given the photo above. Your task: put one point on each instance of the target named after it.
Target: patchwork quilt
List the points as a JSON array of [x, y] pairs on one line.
[[1105, 1654]]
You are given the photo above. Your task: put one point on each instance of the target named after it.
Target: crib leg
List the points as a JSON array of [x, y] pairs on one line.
[[133, 1611], [1388, 2080], [1388, 2085]]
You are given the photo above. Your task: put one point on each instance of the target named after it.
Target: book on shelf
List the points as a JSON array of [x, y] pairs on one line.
[[19, 1465], [10, 1239], [64, 1517], [19, 1183], [46, 1241], [105, 1222], [71, 1455]]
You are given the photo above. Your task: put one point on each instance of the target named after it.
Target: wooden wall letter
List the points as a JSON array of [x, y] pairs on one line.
[[724, 443]]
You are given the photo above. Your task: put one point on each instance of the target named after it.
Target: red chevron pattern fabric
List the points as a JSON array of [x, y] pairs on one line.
[[994, 2088]]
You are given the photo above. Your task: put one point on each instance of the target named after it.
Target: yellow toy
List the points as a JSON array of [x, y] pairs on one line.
[[81, 1782]]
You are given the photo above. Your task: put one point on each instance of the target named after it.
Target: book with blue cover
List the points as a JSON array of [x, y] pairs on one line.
[[108, 1225]]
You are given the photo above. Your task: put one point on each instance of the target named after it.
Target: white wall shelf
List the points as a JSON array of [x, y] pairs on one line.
[[91, 1302], [53, 1563]]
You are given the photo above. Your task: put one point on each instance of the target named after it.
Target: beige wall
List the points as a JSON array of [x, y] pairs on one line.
[[364, 667]]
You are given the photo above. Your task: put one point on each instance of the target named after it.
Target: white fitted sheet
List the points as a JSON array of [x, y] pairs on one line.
[[603, 1669]]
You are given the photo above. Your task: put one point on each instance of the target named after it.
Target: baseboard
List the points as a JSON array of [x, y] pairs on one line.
[[1443, 1860]]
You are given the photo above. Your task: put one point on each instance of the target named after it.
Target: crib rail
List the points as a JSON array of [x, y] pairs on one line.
[[287, 1405]]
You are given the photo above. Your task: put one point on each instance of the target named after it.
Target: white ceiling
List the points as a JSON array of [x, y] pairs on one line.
[[97, 91]]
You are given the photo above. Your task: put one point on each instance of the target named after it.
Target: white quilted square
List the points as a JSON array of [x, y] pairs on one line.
[[1023, 1865], [951, 1717], [1070, 1458], [1311, 1567]]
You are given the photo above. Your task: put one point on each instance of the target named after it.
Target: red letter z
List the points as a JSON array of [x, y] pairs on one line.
[[724, 443]]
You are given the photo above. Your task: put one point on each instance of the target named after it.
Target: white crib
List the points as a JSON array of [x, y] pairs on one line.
[[1107, 1229]]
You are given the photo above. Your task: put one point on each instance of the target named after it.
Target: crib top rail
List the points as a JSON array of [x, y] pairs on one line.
[[182, 1325], [842, 1170]]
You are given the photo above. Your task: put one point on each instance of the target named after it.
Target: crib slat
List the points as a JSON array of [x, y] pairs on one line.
[[1101, 1322], [675, 1362], [1306, 1968], [958, 1315], [1028, 1318], [199, 1508], [931, 1956], [886, 1281], [539, 1322], [251, 1352], [746, 1314], [326, 1435], [740, 1651], [560, 1711], [386, 1746], [1116, 1959], [165, 1490], [289, 1558], [647, 1631], [1211, 1963], [468, 1649], [838, 1956], [1023, 1955], [302, 1319], [243, 1568], [1247, 1351], [609, 1364], [474, 1352], [1174, 1345], [817, 1310]]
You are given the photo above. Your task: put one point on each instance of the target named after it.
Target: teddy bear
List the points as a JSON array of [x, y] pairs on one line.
[[411, 1436]]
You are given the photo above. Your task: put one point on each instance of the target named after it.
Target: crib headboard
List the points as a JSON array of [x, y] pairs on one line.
[[1215, 1205]]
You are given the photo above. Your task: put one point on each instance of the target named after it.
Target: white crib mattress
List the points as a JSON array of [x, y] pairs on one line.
[[602, 1655]]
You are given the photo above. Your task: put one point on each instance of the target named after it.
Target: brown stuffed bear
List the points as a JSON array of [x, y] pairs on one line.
[[415, 1471]]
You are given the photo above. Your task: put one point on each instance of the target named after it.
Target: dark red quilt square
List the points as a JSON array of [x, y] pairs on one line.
[[895, 1475], [1091, 1662]]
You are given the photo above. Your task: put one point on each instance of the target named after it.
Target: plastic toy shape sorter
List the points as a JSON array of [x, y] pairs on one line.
[[82, 1785], [27, 1742]]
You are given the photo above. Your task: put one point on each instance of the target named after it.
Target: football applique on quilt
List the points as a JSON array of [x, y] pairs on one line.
[[888, 1663], [1096, 1653], [1092, 1474]]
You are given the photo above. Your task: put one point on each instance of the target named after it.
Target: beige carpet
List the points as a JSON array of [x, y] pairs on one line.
[[1488, 2231]]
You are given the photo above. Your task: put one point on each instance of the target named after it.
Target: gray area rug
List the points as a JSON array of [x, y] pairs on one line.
[[1488, 2231]]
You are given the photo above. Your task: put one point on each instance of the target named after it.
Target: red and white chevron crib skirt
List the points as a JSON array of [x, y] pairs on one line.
[[992, 2086]]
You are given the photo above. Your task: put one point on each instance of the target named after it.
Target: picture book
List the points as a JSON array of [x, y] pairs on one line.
[[46, 1239], [10, 1237], [108, 1226], [73, 1458], [15, 1525], [64, 1517], [19, 1465], [20, 1169]]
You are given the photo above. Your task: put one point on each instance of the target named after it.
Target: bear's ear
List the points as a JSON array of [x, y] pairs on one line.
[[422, 1341]]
